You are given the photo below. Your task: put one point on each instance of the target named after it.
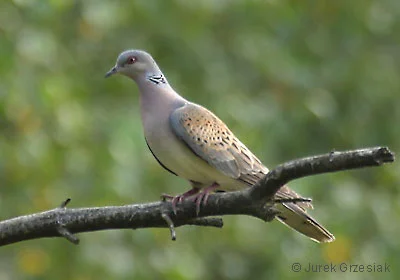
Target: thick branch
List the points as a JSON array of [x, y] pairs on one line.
[[332, 162], [66, 222]]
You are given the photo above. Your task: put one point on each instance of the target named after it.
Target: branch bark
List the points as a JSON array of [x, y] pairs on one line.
[[257, 201]]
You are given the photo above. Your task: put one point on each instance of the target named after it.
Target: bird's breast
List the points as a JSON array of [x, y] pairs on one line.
[[178, 158]]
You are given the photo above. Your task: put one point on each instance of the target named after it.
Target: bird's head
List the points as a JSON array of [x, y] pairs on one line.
[[133, 63]]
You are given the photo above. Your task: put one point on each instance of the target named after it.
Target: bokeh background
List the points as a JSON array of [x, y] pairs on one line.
[[291, 78]]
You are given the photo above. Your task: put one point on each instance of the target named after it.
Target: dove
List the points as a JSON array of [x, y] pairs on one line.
[[191, 142]]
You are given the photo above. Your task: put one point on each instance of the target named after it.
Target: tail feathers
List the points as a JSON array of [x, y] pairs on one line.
[[295, 217]]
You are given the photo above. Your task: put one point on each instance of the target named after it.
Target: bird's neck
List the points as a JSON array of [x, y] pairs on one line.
[[154, 86], [157, 97], [151, 79]]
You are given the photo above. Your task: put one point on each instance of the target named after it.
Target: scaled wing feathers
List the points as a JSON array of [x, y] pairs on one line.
[[210, 139]]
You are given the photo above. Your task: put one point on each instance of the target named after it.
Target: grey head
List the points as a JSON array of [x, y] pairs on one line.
[[134, 64]]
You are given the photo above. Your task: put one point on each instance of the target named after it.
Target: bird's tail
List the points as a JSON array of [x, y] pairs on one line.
[[296, 217]]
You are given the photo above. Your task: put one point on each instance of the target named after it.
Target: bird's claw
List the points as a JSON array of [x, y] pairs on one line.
[[202, 197], [179, 198], [198, 197]]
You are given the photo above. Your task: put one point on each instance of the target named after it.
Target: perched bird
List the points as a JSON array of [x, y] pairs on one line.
[[191, 142]]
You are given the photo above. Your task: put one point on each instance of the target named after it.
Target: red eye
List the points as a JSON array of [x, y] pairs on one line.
[[131, 60]]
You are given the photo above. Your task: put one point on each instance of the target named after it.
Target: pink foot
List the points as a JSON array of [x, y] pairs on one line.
[[203, 196], [178, 198]]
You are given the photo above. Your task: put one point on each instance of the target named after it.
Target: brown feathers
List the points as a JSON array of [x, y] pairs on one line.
[[212, 140]]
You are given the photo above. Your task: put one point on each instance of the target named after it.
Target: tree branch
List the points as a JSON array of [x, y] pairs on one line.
[[257, 201]]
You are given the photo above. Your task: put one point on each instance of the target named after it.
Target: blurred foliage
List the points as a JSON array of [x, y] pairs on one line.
[[291, 78]]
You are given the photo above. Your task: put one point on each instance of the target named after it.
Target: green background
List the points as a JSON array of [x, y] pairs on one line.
[[290, 78]]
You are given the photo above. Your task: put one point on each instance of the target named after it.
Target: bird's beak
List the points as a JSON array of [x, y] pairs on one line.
[[112, 71]]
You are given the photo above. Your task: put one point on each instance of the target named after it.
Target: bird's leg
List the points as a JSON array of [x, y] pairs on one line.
[[178, 198], [203, 196]]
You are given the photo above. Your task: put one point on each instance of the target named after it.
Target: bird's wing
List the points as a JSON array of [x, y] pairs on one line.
[[210, 139]]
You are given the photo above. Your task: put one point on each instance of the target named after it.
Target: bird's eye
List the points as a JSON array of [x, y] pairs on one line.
[[131, 60]]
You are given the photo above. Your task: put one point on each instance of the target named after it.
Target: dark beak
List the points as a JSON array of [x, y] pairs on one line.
[[112, 71]]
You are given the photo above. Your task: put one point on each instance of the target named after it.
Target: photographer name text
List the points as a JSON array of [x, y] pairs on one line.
[[341, 267]]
